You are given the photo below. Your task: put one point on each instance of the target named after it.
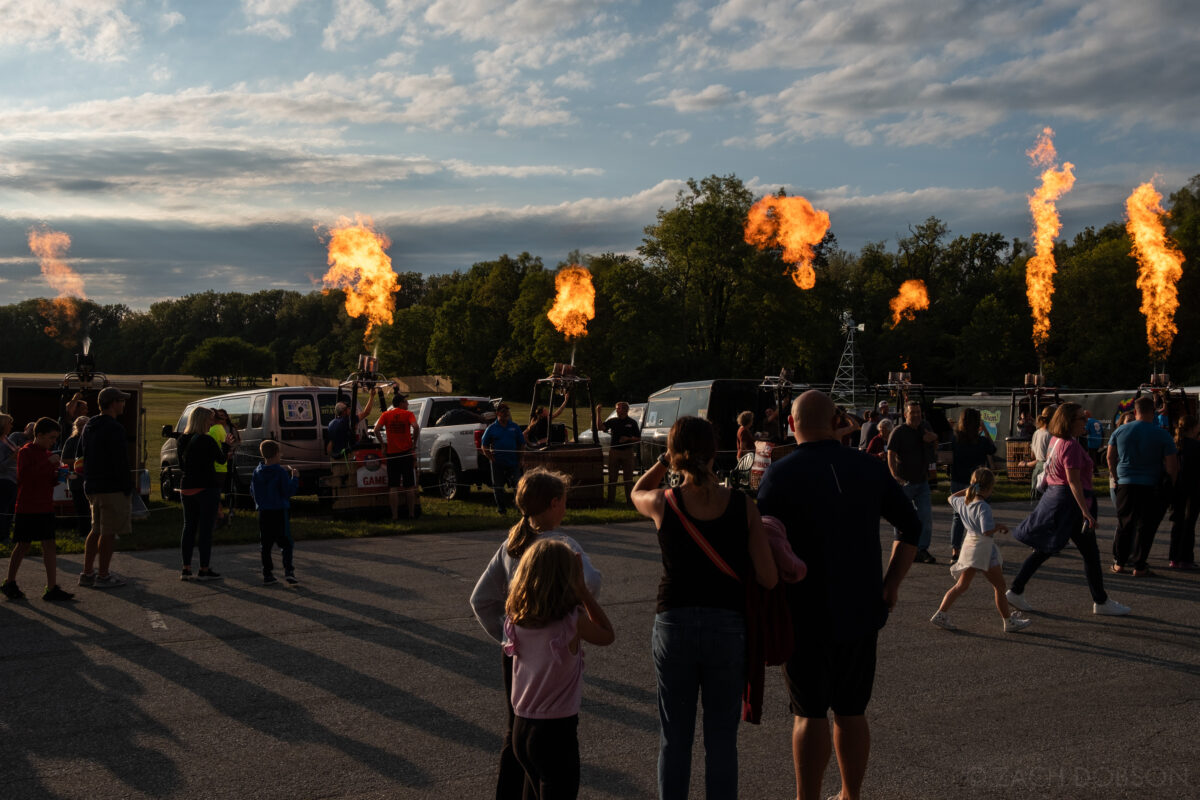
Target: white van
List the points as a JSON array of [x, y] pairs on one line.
[[294, 416]]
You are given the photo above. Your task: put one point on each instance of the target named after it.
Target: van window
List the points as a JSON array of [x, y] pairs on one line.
[[327, 401], [181, 426], [661, 412], [238, 409], [256, 410], [693, 403]]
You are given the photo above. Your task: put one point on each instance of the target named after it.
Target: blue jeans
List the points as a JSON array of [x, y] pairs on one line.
[[699, 651], [918, 493], [957, 529], [504, 474]]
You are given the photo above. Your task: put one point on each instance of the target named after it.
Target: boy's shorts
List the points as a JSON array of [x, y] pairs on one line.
[[823, 675], [33, 527], [111, 513]]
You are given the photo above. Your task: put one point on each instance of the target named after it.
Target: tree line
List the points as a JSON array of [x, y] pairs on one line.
[[696, 302]]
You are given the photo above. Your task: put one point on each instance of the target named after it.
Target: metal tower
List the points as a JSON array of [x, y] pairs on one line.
[[849, 381]]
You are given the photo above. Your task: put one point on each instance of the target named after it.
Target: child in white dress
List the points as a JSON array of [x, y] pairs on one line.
[[979, 551]]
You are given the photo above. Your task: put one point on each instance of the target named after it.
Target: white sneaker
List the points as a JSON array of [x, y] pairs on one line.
[[1016, 622], [942, 620], [1110, 608], [1017, 601]]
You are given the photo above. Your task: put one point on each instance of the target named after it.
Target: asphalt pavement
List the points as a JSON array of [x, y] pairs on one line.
[[371, 679]]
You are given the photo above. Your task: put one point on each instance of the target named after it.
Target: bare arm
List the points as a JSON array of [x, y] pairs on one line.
[[902, 558], [893, 462], [1112, 462], [1171, 465], [1075, 482], [765, 570], [647, 497], [596, 628]]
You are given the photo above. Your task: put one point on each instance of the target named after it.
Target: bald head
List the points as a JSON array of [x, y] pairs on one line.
[[812, 414]]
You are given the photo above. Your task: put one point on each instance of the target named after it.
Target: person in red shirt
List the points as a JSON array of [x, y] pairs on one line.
[[400, 426], [37, 472]]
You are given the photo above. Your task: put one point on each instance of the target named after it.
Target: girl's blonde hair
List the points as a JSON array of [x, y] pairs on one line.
[[982, 480], [77, 425], [543, 587], [198, 420], [535, 491]]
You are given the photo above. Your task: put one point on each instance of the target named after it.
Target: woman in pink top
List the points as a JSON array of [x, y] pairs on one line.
[[1067, 511], [542, 632]]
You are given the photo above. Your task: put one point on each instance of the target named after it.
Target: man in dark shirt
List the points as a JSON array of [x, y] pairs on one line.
[[625, 437], [830, 498], [909, 456], [108, 483]]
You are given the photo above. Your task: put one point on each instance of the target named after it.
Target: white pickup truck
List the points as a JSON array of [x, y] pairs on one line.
[[449, 461]]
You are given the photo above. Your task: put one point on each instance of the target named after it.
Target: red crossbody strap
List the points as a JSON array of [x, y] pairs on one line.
[[708, 549]]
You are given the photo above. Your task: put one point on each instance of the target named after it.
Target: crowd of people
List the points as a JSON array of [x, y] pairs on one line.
[[804, 564], [94, 463], [537, 596]]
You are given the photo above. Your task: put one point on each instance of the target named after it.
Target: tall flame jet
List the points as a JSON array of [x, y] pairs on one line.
[[359, 265], [62, 313], [911, 298], [1160, 267], [1039, 272], [793, 224], [574, 303]]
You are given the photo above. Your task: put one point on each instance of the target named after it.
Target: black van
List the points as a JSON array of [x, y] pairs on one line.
[[719, 401]]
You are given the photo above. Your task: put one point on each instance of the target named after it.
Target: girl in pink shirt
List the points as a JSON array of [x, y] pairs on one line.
[[542, 632]]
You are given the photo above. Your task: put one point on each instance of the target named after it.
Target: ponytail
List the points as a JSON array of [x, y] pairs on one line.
[[535, 491], [982, 480]]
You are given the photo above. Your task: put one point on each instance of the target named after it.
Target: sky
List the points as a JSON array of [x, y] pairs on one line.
[[189, 146]]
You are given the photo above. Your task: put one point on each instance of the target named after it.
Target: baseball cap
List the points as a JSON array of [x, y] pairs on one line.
[[109, 395]]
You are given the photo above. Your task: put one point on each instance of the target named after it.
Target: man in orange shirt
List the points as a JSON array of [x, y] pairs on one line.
[[400, 426]]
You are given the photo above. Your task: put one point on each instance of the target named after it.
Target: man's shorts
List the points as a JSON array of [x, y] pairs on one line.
[[823, 675], [401, 470], [111, 513], [33, 527]]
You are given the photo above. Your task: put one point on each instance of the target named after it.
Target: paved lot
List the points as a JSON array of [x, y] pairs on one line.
[[371, 679]]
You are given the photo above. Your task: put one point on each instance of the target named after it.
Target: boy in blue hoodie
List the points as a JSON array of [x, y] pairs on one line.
[[271, 486]]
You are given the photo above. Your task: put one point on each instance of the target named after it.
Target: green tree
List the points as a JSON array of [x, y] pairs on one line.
[[221, 356]]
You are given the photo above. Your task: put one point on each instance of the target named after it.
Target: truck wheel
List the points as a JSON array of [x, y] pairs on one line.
[[449, 486]]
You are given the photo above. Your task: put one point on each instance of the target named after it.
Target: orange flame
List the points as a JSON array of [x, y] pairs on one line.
[[911, 298], [793, 224], [359, 265], [1039, 271], [62, 313], [575, 302], [1159, 268]]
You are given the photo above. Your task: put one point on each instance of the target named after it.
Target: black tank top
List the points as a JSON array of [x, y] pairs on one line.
[[690, 578]]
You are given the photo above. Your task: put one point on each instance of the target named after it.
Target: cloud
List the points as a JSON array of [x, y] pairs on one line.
[[355, 18], [711, 97], [91, 30], [140, 261], [671, 137], [919, 72]]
